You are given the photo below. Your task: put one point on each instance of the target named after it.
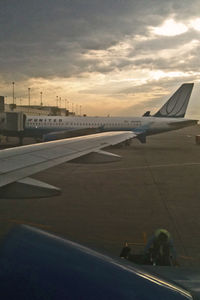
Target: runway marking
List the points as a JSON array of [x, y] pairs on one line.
[[145, 237], [136, 244], [187, 257], [163, 198], [142, 167]]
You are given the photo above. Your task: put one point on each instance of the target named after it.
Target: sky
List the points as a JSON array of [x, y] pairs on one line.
[[100, 57]]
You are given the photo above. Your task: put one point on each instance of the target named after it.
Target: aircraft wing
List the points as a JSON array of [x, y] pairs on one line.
[[63, 134], [16, 164]]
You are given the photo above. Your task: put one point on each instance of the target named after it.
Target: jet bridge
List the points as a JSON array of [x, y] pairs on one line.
[[12, 124]]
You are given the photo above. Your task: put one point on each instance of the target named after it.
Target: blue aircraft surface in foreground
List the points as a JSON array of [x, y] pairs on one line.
[[37, 265]]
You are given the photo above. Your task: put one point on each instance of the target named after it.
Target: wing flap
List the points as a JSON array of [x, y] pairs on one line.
[[97, 157], [28, 188]]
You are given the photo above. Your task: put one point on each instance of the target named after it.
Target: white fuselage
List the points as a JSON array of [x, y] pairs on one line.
[[40, 125]]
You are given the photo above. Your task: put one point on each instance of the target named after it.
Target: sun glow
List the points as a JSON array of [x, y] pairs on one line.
[[195, 24], [169, 28], [157, 75], [114, 79]]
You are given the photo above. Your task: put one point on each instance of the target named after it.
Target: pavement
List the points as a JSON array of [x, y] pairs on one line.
[[155, 185]]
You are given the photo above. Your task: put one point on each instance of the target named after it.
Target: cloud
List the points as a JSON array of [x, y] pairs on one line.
[[97, 48], [195, 24], [169, 28]]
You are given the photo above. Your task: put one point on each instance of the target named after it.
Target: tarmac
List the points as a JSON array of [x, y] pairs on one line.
[[155, 185]]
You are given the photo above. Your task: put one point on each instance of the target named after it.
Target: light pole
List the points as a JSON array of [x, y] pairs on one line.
[[80, 110], [41, 99], [57, 101], [29, 96], [13, 92]]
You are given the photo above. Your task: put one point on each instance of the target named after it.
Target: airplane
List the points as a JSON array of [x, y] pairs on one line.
[[37, 265], [169, 117]]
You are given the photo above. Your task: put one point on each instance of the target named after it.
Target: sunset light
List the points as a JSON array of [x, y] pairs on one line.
[[170, 28], [110, 61]]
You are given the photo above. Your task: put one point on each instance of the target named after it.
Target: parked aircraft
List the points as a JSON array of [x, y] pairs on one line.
[[169, 117]]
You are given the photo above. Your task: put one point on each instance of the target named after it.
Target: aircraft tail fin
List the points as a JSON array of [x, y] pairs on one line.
[[177, 104]]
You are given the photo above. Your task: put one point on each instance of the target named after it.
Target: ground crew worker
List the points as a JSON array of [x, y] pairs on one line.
[[125, 253], [160, 249]]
